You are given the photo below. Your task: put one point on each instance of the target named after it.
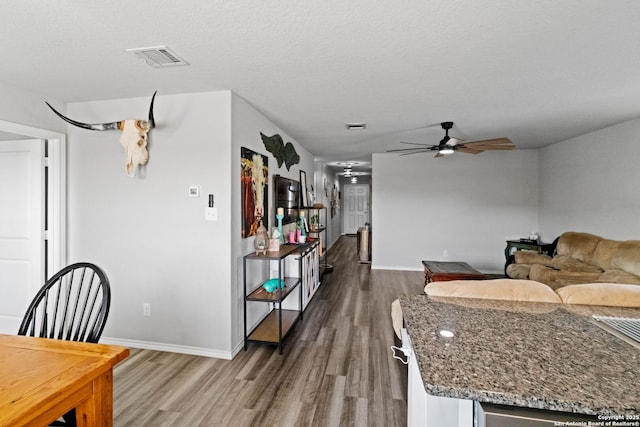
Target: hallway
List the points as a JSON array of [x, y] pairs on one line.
[[336, 368]]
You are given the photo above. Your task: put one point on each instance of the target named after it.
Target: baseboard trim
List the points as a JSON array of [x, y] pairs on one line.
[[172, 348]]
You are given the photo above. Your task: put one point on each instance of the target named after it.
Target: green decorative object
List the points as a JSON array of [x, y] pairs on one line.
[[283, 153], [271, 285]]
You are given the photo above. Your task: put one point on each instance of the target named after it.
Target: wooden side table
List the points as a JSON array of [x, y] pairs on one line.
[[442, 271]]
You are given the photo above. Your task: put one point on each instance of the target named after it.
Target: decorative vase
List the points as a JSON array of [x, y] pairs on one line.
[[261, 242]]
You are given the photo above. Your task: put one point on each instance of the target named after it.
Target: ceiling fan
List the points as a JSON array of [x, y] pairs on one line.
[[449, 145]]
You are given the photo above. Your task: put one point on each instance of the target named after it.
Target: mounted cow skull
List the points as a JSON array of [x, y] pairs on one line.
[[133, 137]]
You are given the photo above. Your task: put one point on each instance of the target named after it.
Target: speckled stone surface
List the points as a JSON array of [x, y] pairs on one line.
[[536, 355]]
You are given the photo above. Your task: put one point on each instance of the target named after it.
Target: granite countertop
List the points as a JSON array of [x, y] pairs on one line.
[[535, 355]]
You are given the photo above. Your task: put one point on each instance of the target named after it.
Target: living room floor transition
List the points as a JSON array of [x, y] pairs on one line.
[[336, 368]]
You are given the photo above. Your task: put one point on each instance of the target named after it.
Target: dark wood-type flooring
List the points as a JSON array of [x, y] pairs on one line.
[[336, 368]]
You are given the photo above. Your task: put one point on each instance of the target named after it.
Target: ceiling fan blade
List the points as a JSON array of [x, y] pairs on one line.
[[502, 140], [400, 150], [414, 143], [469, 150], [491, 144], [492, 147], [454, 141], [438, 154], [432, 125], [415, 152]]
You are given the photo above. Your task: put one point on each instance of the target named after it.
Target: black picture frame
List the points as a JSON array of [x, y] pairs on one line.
[[304, 202]]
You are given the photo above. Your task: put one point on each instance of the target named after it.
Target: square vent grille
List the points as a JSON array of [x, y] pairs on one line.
[[158, 56], [623, 327]]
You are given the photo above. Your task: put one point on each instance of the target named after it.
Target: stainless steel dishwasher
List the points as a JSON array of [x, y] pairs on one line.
[[490, 415]]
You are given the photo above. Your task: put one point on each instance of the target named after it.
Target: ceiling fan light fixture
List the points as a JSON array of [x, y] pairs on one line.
[[446, 150]]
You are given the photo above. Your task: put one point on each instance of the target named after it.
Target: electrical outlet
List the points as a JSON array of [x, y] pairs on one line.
[[445, 253], [146, 309]]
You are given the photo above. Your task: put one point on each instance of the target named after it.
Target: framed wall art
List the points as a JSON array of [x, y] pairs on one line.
[[303, 189], [254, 175]]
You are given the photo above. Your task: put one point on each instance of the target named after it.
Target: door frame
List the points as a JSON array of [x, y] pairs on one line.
[[56, 190]]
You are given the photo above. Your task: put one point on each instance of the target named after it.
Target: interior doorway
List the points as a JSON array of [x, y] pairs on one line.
[[356, 207], [32, 233]]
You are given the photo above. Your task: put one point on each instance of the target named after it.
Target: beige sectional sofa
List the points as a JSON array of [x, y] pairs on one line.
[[599, 294], [580, 258], [585, 270]]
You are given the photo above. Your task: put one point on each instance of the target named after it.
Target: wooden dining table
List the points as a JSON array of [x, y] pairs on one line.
[[42, 379]]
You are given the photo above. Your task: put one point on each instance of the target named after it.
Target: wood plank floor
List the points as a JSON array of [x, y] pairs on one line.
[[336, 368]]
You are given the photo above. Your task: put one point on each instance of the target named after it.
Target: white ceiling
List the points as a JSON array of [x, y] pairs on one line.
[[537, 71]]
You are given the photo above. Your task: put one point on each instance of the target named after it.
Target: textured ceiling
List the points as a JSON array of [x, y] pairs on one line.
[[537, 72]]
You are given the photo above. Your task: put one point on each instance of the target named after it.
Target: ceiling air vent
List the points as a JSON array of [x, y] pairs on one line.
[[356, 126], [158, 56]]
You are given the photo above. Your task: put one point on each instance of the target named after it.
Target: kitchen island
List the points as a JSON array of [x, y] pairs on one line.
[[545, 356]]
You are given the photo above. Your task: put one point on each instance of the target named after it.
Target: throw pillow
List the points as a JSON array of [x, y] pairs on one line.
[[609, 294], [499, 289]]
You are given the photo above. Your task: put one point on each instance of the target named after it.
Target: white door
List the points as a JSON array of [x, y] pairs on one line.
[[356, 203], [22, 216]]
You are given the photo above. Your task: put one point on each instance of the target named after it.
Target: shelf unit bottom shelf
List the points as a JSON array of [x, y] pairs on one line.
[[267, 330]]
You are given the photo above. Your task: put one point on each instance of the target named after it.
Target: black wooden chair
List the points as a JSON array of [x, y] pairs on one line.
[[72, 305]]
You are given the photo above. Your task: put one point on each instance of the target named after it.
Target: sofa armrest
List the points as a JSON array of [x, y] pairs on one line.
[[518, 271]]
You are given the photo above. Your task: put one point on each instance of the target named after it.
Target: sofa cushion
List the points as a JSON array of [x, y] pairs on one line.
[[500, 289], [580, 246], [610, 294], [558, 278], [530, 257], [627, 258], [565, 263], [618, 276]]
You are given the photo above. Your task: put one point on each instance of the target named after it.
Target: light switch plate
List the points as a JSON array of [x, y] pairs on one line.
[[211, 214]]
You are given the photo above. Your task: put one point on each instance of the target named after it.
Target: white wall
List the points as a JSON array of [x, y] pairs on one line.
[[590, 183], [323, 174], [28, 108], [467, 205], [147, 233], [151, 237], [247, 123]]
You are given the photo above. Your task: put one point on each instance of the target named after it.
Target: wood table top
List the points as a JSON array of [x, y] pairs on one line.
[[37, 374]]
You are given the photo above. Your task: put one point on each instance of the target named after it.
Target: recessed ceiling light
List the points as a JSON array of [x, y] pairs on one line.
[[356, 126], [158, 56]]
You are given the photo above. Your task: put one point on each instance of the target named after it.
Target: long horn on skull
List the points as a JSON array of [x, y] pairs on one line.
[[94, 126], [152, 122]]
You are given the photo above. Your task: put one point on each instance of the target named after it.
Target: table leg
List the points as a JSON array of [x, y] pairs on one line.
[[98, 409], [428, 277]]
